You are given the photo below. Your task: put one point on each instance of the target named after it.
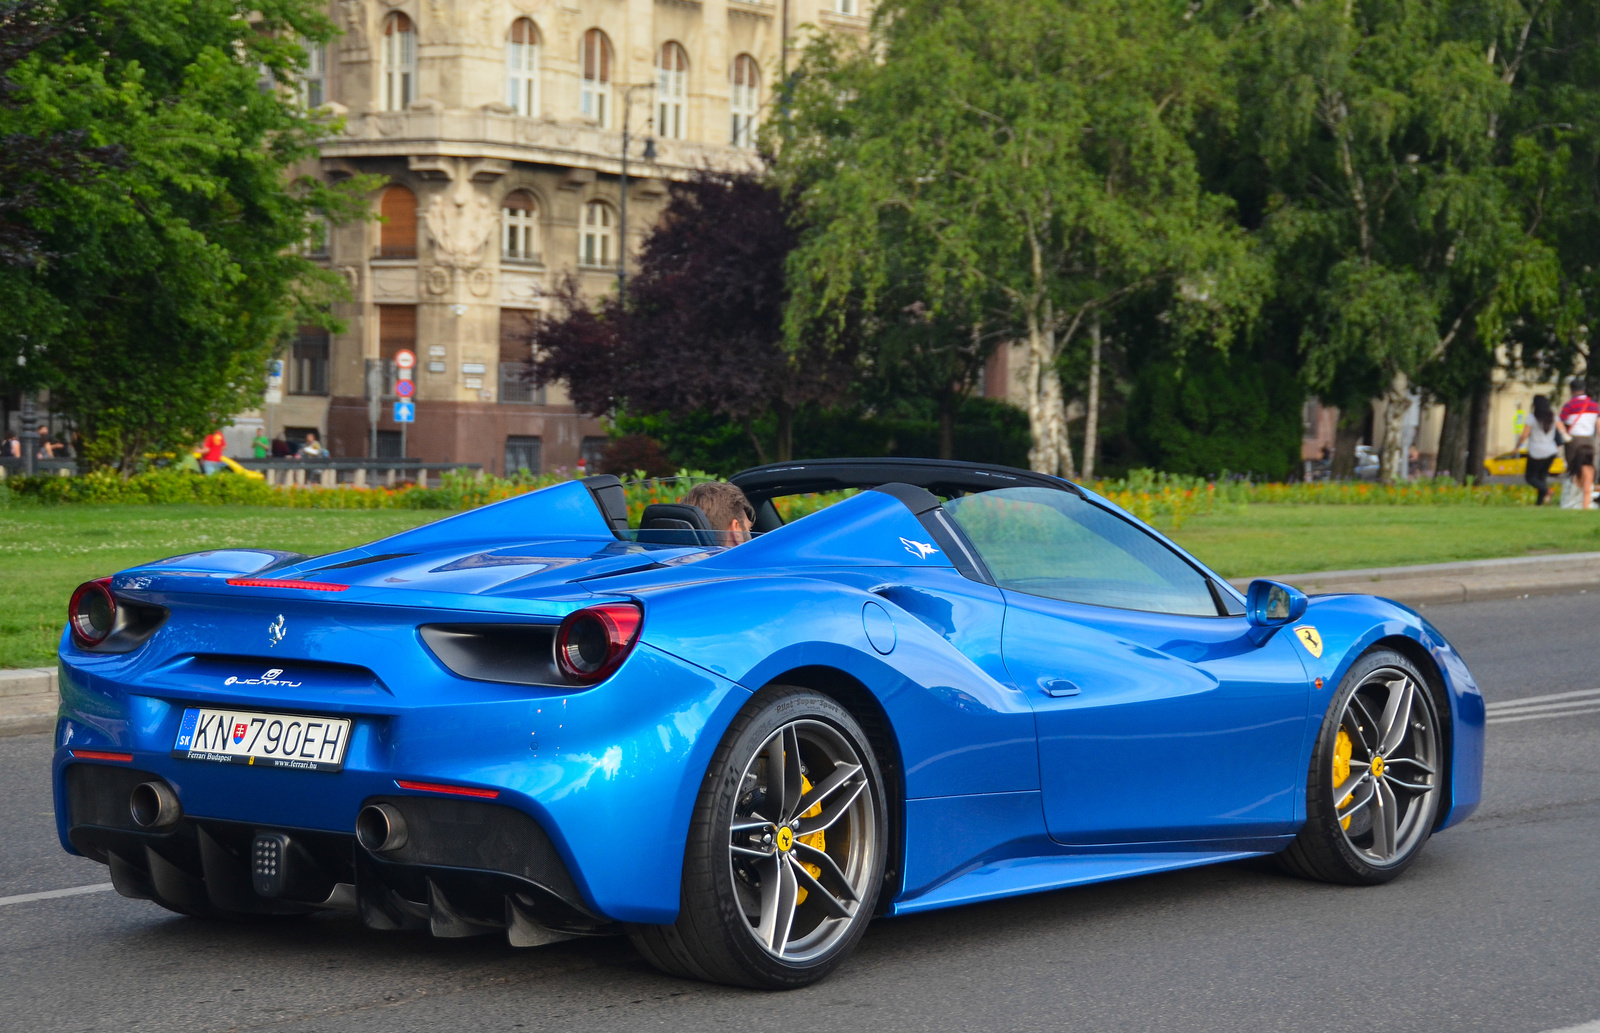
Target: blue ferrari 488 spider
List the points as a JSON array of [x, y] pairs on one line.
[[957, 684]]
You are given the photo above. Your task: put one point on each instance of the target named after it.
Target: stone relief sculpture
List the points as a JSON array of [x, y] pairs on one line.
[[353, 17], [461, 222]]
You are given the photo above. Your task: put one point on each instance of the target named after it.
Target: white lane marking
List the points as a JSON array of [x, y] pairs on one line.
[[1508, 704], [1513, 718], [28, 898], [1543, 708], [1587, 1027]]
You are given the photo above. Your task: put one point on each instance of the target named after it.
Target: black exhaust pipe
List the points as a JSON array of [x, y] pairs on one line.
[[154, 805], [381, 828]]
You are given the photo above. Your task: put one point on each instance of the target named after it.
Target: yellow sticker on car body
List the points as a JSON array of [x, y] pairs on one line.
[[1310, 638]]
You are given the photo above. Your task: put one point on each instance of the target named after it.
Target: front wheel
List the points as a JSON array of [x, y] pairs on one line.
[[785, 852], [1372, 794]]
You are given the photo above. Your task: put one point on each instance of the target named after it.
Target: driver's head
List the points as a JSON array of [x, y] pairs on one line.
[[725, 507]]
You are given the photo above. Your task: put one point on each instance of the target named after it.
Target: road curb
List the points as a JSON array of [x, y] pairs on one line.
[[28, 700], [1440, 583]]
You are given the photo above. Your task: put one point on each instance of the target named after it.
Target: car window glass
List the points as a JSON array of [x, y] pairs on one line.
[[1058, 545]]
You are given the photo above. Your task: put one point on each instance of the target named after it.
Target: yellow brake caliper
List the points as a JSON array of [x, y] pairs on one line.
[[815, 841], [1342, 750]]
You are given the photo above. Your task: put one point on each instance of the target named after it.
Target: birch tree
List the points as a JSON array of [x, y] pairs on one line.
[[1039, 150]]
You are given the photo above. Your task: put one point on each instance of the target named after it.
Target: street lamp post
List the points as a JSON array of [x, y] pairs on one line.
[[649, 155]]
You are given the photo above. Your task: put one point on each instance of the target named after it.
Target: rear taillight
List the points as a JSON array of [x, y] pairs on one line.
[[593, 642], [92, 613]]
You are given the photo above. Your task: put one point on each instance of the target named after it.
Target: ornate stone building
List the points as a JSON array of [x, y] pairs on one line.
[[497, 127]]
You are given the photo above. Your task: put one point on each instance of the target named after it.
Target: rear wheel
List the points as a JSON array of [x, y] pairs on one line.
[[1373, 789], [785, 852]]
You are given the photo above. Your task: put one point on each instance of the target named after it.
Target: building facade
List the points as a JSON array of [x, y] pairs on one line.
[[497, 127]]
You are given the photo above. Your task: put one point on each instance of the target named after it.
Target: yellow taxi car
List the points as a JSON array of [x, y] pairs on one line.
[[1515, 464]]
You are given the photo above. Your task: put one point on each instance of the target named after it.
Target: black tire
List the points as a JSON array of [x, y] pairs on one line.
[[1325, 849], [714, 938]]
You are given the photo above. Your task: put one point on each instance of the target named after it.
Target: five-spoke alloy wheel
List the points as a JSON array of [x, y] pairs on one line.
[[1373, 789], [786, 848]]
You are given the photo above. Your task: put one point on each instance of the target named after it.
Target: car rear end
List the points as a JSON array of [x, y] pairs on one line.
[[260, 744]]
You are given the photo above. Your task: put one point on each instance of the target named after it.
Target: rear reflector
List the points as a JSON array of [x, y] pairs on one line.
[[267, 582], [435, 787], [126, 758]]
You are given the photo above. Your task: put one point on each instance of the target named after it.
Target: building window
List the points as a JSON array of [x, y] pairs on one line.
[[397, 235], [516, 348], [318, 231], [519, 239], [522, 68], [524, 453], [672, 89], [314, 83], [592, 453], [598, 247], [847, 6], [308, 362], [595, 94], [746, 100], [399, 62]]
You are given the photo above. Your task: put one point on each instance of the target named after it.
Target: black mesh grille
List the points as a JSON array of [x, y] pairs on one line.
[[97, 794], [487, 836]]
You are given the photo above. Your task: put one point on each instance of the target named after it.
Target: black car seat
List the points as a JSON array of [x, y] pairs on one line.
[[674, 523]]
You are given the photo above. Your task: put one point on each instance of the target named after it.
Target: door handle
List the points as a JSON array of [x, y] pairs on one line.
[[1058, 687]]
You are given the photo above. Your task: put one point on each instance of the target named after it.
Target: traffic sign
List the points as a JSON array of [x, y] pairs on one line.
[[405, 374], [405, 388], [405, 412], [405, 358]]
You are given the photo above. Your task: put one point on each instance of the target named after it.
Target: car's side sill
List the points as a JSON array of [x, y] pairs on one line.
[[1018, 875]]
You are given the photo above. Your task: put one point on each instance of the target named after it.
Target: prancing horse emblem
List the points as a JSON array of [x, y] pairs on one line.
[[275, 630]]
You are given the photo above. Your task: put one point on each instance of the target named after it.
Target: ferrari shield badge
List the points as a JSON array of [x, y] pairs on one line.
[[1310, 638]]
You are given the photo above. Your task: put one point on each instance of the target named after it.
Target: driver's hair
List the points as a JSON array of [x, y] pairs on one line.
[[721, 502]]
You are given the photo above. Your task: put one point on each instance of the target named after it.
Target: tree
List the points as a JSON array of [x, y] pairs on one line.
[[701, 327], [158, 287], [1038, 151], [1394, 188]]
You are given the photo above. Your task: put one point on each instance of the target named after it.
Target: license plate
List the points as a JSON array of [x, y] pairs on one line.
[[301, 742]]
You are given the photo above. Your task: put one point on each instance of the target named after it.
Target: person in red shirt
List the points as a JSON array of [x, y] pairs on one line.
[[1579, 416], [211, 458]]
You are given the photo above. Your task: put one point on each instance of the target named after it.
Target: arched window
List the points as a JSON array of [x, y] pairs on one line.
[[314, 83], [522, 67], [672, 88], [520, 218], [595, 95], [597, 246], [746, 100], [397, 235], [399, 62]]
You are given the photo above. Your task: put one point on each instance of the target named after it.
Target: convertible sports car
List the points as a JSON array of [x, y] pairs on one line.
[[960, 683]]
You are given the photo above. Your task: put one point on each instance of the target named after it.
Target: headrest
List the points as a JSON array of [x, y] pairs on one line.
[[673, 523]]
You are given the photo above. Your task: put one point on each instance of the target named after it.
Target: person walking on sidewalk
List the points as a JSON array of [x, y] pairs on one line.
[[1579, 416], [1541, 434]]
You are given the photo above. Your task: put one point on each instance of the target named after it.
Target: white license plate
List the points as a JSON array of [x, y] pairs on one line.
[[300, 742]]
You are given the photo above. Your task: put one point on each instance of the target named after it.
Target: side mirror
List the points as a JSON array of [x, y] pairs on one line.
[[1269, 604]]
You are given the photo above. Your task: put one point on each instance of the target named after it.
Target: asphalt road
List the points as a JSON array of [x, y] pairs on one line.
[[1496, 927]]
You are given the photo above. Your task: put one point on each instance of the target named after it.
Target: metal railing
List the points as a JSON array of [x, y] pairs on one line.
[[12, 467], [354, 473]]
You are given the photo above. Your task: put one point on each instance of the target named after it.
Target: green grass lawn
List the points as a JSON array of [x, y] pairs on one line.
[[46, 551], [1280, 539]]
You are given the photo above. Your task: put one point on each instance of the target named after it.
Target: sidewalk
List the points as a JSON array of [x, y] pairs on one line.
[[28, 696], [1434, 583], [27, 700]]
